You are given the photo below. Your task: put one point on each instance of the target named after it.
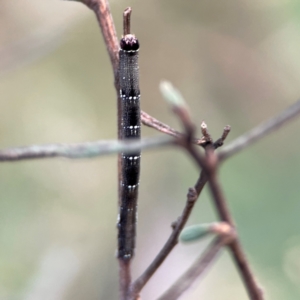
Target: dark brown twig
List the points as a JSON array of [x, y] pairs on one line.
[[219, 142], [126, 21], [164, 128], [254, 290], [197, 269], [125, 278]]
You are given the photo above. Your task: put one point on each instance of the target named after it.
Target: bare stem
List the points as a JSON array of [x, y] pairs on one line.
[[164, 128], [260, 131], [126, 21], [84, 150], [125, 278], [219, 142]]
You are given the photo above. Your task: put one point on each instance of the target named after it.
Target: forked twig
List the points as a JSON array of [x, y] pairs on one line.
[[209, 165]]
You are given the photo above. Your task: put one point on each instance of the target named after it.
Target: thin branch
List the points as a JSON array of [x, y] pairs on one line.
[[126, 21], [125, 277], [210, 166], [253, 288], [83, 150], [164, 128], [260, 131], [196, 270], [219, 142]]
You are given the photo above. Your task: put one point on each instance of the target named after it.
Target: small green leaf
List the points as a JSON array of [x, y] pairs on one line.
[[195, 232]]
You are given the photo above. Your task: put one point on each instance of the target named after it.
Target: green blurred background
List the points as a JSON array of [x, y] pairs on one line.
[[236, 62]]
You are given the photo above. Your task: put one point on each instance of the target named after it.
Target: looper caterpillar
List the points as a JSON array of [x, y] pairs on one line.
[[131, 129]]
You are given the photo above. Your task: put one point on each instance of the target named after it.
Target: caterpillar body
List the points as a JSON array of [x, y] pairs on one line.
[[131, 129]]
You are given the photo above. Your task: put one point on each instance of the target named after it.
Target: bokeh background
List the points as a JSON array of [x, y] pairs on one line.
[[236, 62]]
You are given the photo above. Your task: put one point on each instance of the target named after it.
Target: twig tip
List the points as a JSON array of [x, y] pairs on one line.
[[126, 20], [203, 124]]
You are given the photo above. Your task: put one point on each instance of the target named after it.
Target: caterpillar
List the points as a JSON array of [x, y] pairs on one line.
[[130, 129]]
